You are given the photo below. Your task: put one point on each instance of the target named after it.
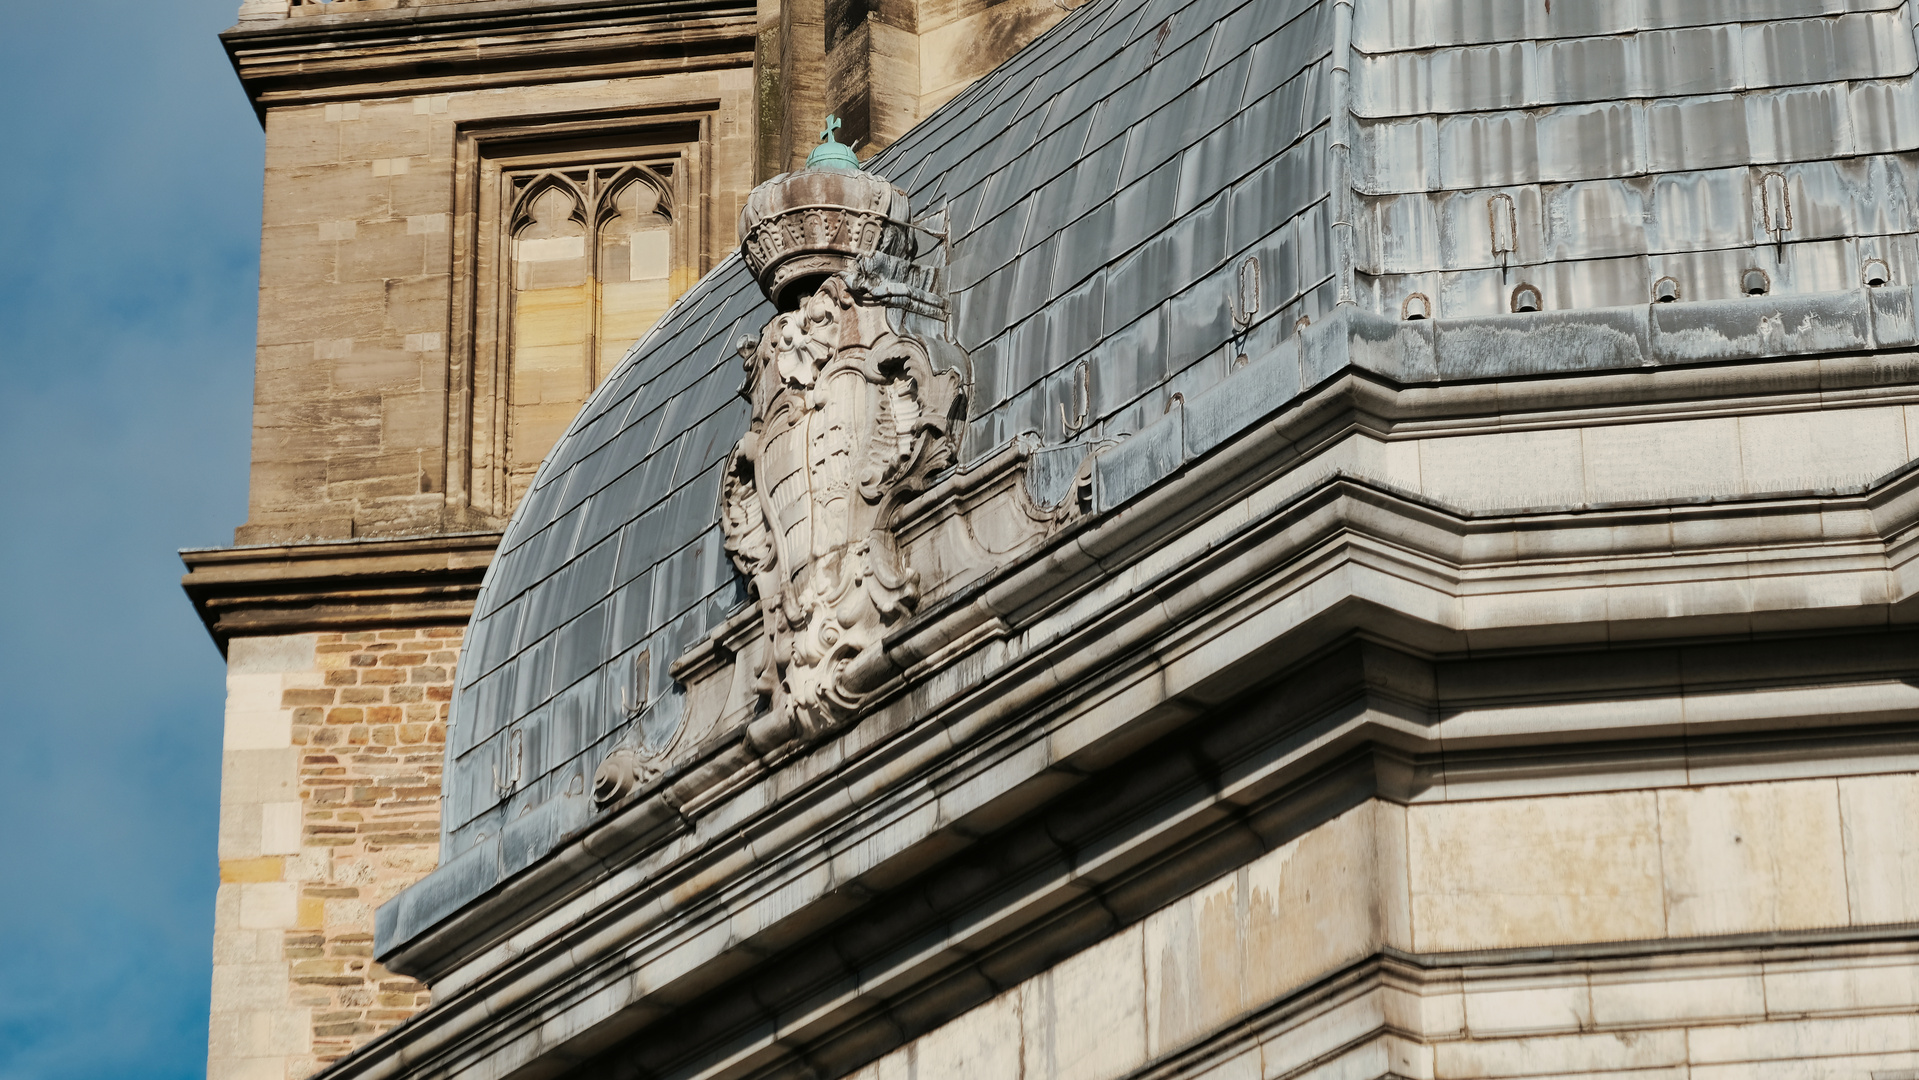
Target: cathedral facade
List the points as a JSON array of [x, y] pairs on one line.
[[1173, 538]]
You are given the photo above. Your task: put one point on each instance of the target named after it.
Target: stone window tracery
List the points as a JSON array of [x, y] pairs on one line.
[[571, 240], [592, 270]]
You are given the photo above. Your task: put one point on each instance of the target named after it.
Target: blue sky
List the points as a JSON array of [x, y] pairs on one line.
[[128, 261]]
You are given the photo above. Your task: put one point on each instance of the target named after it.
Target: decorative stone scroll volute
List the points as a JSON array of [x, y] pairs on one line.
[[850, 416]]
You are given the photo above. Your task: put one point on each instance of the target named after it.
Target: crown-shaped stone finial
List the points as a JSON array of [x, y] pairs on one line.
[[800, 228]]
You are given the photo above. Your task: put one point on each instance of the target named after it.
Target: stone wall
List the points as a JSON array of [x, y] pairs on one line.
[[1715, 931], [370, 763], [330, 805], [382, 404], [881, 66]]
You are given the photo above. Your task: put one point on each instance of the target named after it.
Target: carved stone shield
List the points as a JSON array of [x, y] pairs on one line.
[[848, 417]]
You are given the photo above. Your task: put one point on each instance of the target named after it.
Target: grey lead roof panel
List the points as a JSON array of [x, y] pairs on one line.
[[1092, 182], [1106, 186]]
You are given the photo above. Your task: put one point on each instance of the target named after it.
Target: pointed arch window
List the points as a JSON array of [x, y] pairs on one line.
[[594, 265], [571, 235], [636, 260]]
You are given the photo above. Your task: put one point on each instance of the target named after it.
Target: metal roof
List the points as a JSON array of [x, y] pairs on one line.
[[1155, 211]]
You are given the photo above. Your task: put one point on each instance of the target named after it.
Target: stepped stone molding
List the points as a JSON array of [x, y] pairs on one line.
[[1470, 584], [446, 48], [337, 585], [1239, 576]]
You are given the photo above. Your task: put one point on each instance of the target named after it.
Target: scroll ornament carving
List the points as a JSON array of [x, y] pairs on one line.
[[845, 477], [623, 771], [848, 418]]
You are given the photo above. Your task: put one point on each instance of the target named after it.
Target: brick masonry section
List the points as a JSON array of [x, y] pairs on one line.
[[371, 742]]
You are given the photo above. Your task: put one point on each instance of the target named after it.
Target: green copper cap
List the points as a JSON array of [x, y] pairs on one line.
[[829, 154]]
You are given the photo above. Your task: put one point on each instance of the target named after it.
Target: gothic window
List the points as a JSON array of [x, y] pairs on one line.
[[593, 260], [550, 368], [636, 264], [571, 236]]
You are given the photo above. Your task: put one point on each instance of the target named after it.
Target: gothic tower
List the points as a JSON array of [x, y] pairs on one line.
[[473, 209]]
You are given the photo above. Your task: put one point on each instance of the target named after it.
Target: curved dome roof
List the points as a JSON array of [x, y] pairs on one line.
[[1073, 221], [1106, 191]]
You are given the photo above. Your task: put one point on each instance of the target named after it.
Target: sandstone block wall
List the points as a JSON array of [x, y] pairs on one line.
[[880, 65], [1706, 932], [329, 806], [383, 397]]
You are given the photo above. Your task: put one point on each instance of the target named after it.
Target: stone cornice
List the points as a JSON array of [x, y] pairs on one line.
[[1225, 594], [445, 47], [337, 585], [1296, 1026]]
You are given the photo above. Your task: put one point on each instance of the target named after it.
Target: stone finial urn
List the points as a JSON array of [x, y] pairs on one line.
[[800, 228]]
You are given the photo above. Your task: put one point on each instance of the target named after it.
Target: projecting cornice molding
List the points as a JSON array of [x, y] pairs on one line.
[[441, 48], [1245, 650], [337, 585]]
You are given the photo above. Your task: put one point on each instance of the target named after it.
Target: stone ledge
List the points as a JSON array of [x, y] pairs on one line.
[[1418, 1000], [1393, 565], [1124, 889], [337, 585], [435, 48], [412, 21], [618, 887]]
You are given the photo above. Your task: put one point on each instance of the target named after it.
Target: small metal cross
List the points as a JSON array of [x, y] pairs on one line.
[[832, 124]]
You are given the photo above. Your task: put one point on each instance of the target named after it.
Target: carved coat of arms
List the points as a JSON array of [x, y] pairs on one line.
[[858, 404], [849, 416]]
